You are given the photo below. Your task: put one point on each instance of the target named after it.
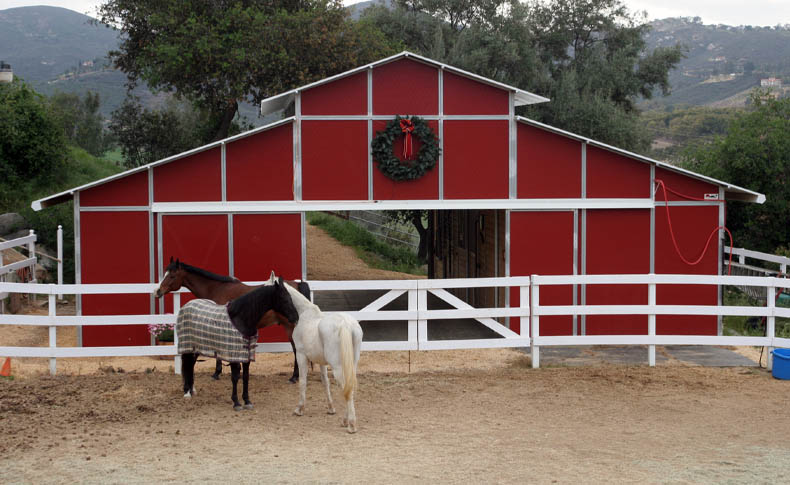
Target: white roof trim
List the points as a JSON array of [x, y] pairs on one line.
[[269, 105], [746, 194], [39, 204]]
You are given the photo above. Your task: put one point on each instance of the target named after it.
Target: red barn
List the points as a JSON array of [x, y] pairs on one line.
[[509, 197]]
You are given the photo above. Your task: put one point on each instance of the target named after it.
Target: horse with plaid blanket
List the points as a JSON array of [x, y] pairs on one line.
[[230, 332]]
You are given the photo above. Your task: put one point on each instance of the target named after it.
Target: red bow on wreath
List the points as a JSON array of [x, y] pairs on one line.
[[406, 126]]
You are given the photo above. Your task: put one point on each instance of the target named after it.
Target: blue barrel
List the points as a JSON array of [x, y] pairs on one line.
[[781, 368]]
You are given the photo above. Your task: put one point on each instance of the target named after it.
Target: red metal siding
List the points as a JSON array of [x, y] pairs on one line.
[[476, 159], [266, 242], [617, 242], [345, 96], [610, 175], [549, 165], [131, 190], [426, 187], [199, 240], [334, 160], [260, 167], [692, 226], [405, 87], [464, 96], [114, 249], [197, 177], [691, 187], [541, 242]]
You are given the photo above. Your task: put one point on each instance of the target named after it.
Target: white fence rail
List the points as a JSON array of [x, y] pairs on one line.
[[417, 315]]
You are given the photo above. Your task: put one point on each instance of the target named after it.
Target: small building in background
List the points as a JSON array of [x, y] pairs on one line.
[[6, 73]]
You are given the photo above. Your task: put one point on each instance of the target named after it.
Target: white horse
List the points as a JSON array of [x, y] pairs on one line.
[[327, 339]]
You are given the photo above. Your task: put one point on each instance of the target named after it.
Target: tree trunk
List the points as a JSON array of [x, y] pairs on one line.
[[226, 119], [422, 248]]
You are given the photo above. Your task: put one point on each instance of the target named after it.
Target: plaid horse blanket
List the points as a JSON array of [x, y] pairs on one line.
[[204, 328]]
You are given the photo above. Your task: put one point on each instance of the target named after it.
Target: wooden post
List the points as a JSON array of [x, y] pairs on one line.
[[176, 310], [651, 323], [534, 305], [53, 336]]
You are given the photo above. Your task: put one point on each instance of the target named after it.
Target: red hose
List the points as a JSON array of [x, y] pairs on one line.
[[672, 232]]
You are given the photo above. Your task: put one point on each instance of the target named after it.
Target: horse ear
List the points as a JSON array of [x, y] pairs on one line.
[[171, 260], [272, 277], [280, 280]]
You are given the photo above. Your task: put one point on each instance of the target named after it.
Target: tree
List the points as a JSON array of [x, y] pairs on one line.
[[217, 54], [146, 136], [588, 56], [32, 147], [81, 121], [755, 154]]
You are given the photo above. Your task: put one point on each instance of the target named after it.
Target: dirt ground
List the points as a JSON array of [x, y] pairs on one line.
[[468, 416]]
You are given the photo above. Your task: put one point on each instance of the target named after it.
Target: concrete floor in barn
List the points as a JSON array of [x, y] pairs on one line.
[[549, 356]]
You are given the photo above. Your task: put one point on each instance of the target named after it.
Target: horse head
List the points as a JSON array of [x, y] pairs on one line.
[[173, 279]]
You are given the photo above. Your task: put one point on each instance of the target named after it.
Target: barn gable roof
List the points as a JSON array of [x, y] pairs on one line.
[[732, 192], [283, 100]]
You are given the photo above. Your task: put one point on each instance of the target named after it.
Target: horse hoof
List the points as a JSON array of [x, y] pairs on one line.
[[187, 396], [299, 411], [248, 405], [215, 377], [294, 379], [352, 429], [237, 407], [331, 411]]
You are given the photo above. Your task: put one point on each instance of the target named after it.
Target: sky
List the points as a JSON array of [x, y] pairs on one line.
[[729, 12]]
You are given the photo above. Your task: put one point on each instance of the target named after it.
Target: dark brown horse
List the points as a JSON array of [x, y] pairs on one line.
[[217, 288], [230, 332]]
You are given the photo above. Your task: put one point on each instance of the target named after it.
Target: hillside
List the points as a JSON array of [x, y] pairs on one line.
[[56, 49], [722, 62]]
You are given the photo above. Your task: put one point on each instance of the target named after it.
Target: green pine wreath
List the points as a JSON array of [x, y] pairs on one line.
[[392, 166]]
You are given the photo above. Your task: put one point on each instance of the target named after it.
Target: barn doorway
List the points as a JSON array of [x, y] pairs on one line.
[[469, 244]]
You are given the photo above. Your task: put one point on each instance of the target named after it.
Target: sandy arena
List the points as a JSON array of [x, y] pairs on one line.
[[468, 416]]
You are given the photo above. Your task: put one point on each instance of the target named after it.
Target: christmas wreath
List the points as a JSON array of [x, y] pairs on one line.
[[411, 167]]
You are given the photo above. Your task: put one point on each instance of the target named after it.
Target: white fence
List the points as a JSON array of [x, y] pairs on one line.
[[417, 315], [29, 242]]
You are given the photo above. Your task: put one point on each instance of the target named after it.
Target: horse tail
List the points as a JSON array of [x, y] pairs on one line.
[[347, 358]]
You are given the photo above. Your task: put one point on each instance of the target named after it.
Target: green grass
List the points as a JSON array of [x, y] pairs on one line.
[[372, 251], [737, 325]]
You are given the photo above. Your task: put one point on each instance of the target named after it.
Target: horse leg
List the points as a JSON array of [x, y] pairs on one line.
[[217, 370], [302, 361], [188, 374], [245, 367], [351, 414], [235, 370], [295, 377], [325, 381]]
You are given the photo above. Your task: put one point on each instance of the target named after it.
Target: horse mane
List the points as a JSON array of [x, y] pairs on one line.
[[304, 289], [246, 310], [201, 272]]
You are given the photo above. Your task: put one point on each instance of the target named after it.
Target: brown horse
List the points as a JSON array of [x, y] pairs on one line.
[[217, 288]]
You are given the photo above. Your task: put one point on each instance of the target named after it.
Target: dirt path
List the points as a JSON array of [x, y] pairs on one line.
[[449, 417]]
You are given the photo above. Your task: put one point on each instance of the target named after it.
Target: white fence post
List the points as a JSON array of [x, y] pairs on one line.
[[414, 325], [770, 325], [176, 310], [53, 335], [534, 328], [523, 302], [422, 324], [31, 253], [651, 323], [60, 259]]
